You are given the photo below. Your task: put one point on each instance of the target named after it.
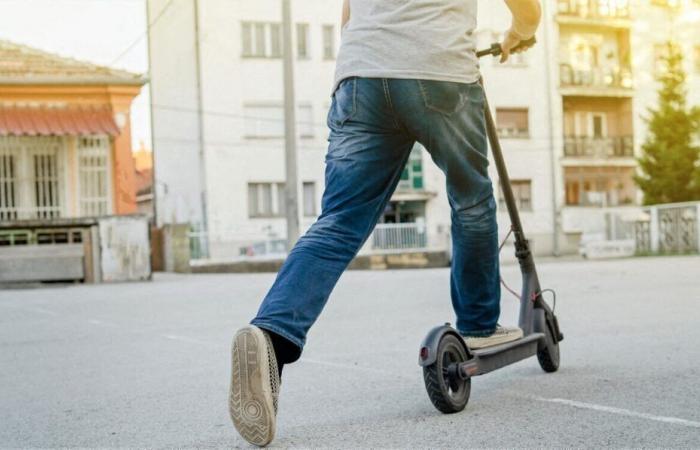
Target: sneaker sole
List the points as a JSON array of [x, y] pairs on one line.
[[251, 403], [490, 341]]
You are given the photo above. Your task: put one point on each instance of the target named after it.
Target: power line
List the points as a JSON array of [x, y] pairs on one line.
[[144, 34], [523, 140]]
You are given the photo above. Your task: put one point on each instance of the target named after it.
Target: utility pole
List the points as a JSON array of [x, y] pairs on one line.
[[550, 112], [290, 132]]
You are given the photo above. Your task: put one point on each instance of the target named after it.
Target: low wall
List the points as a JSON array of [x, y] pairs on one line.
[[87, 249], [414, 260]]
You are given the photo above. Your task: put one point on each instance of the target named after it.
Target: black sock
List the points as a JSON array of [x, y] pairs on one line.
[[286, 351]]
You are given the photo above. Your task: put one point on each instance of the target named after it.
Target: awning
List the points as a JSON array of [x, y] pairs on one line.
[[56, 121]]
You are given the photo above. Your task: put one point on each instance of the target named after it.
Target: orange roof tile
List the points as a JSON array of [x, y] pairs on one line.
[[20, 64]]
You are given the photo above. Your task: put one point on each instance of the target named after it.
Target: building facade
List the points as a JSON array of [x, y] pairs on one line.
[[67, 172], [65, 139], [569, 112]]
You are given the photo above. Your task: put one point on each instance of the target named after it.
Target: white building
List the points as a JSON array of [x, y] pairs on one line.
[[569, 113]]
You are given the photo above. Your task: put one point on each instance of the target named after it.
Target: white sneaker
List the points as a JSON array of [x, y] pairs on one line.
[[500, 336], [254, 386]]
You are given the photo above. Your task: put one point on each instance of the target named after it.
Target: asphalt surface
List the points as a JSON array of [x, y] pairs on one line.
[[147, 364]]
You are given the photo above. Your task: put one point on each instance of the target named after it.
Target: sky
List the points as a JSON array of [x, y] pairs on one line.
[[105, 32]]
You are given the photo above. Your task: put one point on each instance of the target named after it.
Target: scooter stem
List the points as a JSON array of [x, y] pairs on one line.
[[531, 292]]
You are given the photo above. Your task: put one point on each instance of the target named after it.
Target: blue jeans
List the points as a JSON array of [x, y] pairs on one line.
[[374, 125]]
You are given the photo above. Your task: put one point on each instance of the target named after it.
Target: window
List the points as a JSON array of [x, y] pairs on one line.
[[261, 40], [522, 191], [246, 39], [267, 200], [328, 42], [513, 122], [412, 175], [31, 177], [93, 175], [597, 125], [9, 202], [302, 41], [275, 40], [309, 199]]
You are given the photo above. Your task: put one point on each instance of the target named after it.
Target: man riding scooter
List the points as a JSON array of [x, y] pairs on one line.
[[407, 72]]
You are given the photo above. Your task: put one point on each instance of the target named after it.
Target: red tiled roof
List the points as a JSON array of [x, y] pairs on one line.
[[20, 64], [54, 121]]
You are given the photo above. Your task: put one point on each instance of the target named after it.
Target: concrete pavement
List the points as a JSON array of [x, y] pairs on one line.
[[146, 364]]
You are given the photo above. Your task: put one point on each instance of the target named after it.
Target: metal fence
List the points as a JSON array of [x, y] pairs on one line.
[[590, 147], [237, 246], [595, 9], [671, 228], [399, 236], [612, 77]]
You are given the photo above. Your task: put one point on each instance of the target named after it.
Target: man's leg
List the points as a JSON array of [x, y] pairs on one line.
[[448, 119], [366, 156]]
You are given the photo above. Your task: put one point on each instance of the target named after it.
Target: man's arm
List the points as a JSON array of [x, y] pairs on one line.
[[526, 19], [346, 13]]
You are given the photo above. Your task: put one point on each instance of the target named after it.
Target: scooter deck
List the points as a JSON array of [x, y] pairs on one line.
[[485, 360]]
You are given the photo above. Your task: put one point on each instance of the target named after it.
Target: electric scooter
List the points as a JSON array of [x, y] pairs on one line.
[[448, 363]]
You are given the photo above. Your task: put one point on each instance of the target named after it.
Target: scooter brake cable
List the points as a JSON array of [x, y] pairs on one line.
[[502, 280]]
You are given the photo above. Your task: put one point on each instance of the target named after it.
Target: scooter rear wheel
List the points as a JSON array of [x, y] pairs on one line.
[[548, 354], [448, 392]]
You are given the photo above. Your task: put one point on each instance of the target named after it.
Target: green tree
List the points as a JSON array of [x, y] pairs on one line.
[[670, 163]]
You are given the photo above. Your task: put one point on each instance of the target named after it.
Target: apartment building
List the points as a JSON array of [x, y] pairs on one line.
[[608, 54], [568, 111]]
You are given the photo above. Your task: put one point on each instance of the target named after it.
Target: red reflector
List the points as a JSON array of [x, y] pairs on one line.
[[424, 353]]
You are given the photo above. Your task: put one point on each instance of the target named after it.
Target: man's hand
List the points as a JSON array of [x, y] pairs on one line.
[[510, 41], [526, 18]]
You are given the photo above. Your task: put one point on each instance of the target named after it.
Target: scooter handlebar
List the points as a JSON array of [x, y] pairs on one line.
[[496, 50]]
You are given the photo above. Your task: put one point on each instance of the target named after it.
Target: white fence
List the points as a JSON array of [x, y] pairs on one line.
[[670, 228], [236, 246], [398, 236]]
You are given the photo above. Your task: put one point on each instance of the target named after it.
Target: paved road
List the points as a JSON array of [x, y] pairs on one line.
[[147, 364]]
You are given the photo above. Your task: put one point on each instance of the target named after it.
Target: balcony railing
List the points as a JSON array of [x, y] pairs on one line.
[[595, 9], [601, 148], [595, 77]]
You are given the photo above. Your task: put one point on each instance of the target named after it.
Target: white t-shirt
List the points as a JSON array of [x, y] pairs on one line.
[[415, 39]]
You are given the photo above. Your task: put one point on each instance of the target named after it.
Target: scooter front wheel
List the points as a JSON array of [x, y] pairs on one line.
[[448, 392]]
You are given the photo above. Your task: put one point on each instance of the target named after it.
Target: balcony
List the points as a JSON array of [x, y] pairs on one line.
[[597, 81], [615, 13], [588, 148], [599, 186]]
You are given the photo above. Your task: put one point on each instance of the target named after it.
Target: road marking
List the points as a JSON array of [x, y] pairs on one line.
[[620, 411]]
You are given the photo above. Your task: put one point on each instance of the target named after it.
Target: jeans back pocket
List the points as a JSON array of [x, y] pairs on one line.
[[448, 97]]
